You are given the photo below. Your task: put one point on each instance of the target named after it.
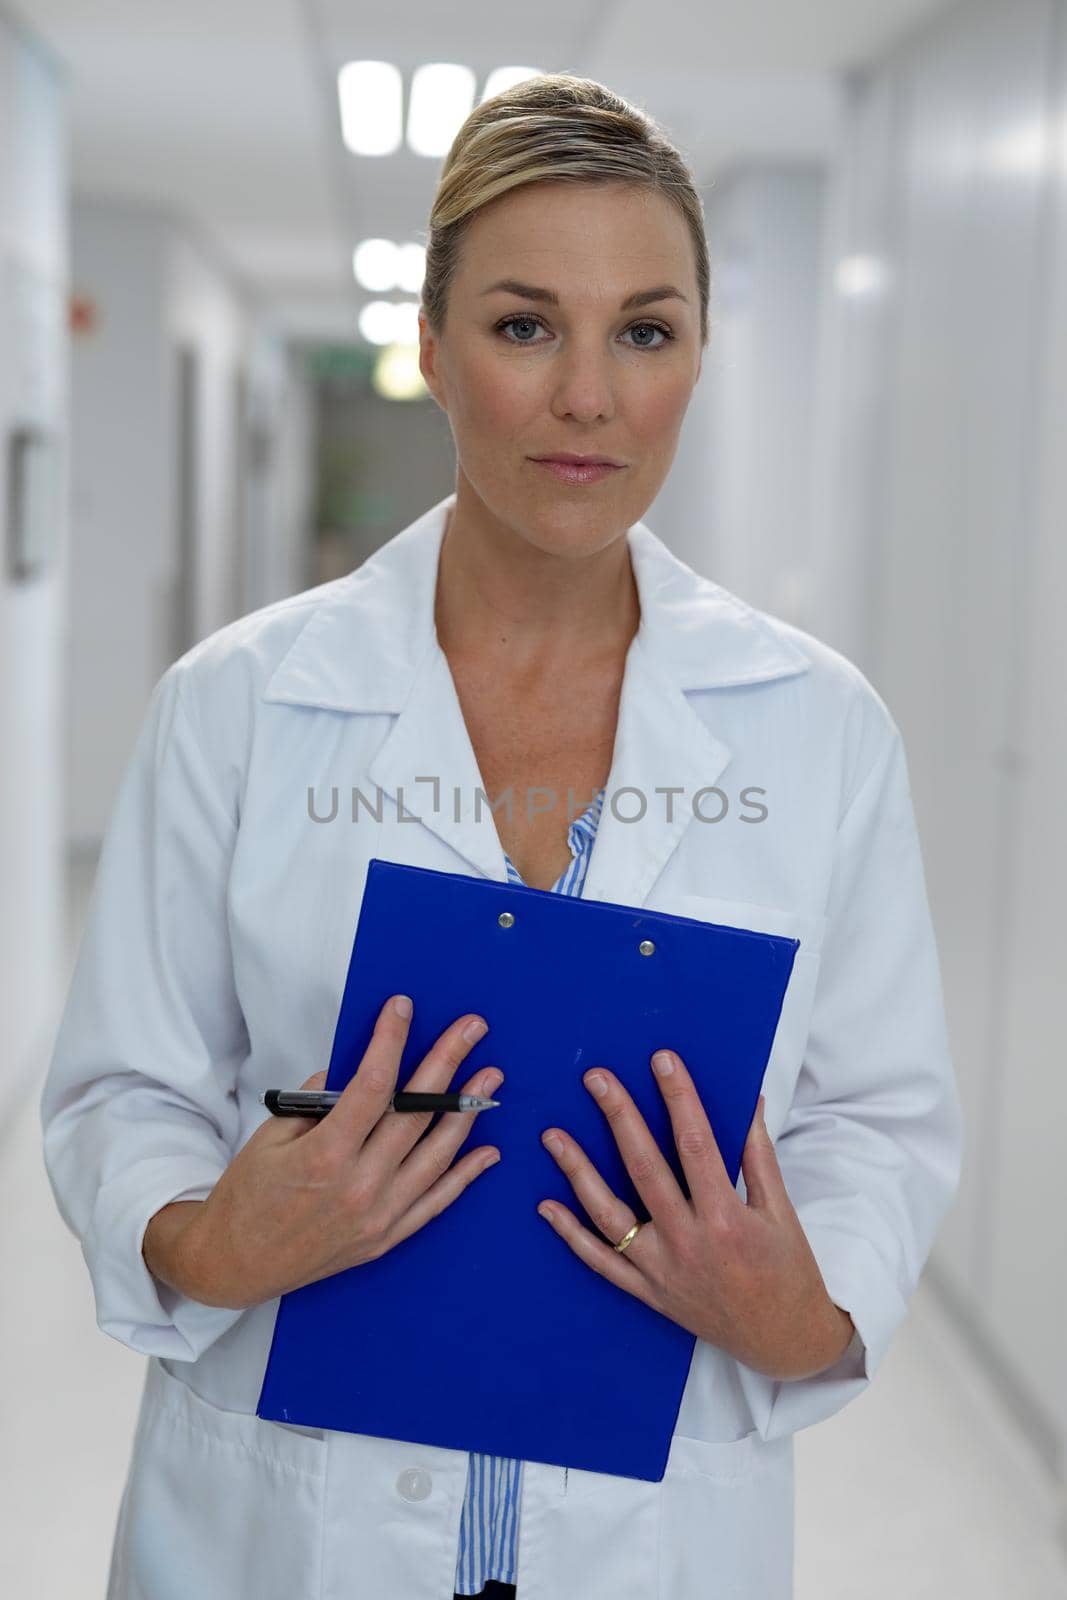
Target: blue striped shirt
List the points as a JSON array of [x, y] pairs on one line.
[[489, 1526]]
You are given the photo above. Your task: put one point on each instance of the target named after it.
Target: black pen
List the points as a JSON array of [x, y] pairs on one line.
[[318, 1102]]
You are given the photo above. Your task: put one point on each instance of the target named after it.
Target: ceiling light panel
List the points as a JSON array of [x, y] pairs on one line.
[[371, 95], [442, 96]]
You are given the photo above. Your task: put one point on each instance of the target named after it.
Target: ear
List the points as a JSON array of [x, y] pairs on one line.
[[428, 360]]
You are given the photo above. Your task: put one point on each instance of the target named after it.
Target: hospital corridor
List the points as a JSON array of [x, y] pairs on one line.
[[303, 559]]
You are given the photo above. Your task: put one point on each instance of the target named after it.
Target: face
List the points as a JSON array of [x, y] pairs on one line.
[[521, 377]]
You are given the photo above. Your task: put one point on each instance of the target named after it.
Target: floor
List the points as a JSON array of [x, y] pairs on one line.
[[923, 1485]]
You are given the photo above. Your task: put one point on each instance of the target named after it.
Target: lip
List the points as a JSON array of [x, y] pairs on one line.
[[570, 459], [576, 470]]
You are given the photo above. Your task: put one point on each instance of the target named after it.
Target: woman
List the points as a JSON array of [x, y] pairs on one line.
[[527, 637]]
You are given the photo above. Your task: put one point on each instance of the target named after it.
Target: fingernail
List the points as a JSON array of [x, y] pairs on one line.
[[662, 1064], [597, 1085], [402, 1005], [553, 1142], [474, 1029], [492, 1080]]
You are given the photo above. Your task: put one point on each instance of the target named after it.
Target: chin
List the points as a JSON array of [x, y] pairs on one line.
[[575, 533], [573, 522]]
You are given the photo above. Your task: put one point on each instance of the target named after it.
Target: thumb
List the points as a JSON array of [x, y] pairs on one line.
[[759, 1164]]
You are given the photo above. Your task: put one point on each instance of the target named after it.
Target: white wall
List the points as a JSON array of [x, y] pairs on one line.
[[121, 501], [203, 310], [875, 450], [1027, 1259], [279, 453], [851, 399], [737, 504], [157, 290], [33, 391], [943, 504]]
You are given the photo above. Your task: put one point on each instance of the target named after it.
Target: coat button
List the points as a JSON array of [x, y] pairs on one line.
[[414, 1484]]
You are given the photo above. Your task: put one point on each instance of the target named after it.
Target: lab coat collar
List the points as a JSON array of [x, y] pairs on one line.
[[371, 646], [363, 646]]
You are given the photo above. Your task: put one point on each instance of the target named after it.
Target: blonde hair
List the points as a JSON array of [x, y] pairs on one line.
[[554, 128]]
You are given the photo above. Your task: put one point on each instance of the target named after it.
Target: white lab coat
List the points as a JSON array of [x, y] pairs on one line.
[[212, 965]]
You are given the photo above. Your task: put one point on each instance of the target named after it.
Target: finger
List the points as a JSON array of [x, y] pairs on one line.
[[601, 1257], [764, 1184], [705, 1172], [448, 1187], [434, 1154], [649, 1169], [366, 1094], [609, 1215], [282, 1130], [398, 1132]]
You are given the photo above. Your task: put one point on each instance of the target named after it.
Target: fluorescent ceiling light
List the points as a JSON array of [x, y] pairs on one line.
[[380, 265], [382, 322], [406, 322], [442, 95], [502, 78], [375, 263], [412, 267], [376, 322], [371, 98]]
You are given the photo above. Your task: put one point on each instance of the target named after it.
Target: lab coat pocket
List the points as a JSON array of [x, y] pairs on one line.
[[220, 1505], [791, 1035], [726, 1519]]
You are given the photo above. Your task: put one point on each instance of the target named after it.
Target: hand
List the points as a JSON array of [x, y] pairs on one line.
[[303, 1199], [739, 1274]]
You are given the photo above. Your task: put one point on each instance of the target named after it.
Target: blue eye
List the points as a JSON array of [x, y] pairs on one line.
[[535, 321]]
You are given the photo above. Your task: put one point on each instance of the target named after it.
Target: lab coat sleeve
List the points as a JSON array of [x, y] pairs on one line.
[[870, 1150], [137, 1108]]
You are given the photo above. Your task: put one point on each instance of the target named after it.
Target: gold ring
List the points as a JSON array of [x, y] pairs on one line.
[[629, 1237]]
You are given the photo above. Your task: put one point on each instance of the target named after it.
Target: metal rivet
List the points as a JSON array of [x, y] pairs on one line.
[[646, 947], [506, 919]]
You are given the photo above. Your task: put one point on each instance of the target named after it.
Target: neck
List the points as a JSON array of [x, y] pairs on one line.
[[503, 599]]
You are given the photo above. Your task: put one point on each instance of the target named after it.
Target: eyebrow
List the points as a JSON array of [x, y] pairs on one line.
[[526, 291]]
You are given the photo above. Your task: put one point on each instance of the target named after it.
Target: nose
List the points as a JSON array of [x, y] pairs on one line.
[[584, 386]]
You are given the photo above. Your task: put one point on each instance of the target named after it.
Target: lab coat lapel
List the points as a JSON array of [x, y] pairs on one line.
[[428, 766], [660, 745], [372, 647]]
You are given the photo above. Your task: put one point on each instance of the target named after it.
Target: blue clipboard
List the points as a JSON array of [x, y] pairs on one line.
[[483, 1331]]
